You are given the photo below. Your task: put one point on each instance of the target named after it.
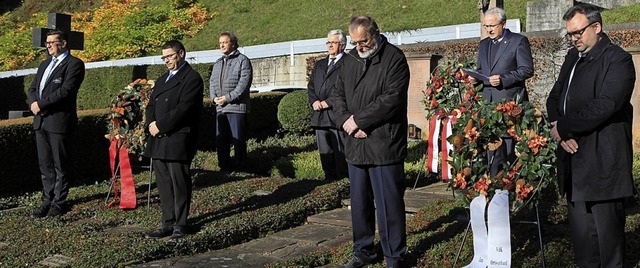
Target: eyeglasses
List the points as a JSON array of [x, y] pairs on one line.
[[332, 42], [170, 56], [489, 26], [578, 33], [361, 43], [51, 43]]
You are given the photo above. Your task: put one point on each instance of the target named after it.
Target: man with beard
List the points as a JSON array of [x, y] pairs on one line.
[[370, 101]]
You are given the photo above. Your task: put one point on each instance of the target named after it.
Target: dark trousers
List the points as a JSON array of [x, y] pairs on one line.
[[331, 150], [231, 129], [505, 153], [597, 230], [53, 162], [384, 186], [174, 184]]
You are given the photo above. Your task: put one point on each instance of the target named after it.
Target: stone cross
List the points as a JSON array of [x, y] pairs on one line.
[[57, 21]]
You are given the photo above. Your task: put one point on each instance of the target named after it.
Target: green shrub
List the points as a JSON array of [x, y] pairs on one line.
[[294, 113], [19, 170]]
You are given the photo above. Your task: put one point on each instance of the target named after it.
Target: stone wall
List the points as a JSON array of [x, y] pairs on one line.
[[547, 15], [279, 71]]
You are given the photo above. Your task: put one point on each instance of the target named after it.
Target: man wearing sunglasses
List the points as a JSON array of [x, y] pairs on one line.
[[589, 107]]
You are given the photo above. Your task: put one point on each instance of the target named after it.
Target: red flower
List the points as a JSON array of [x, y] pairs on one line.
[[482, 185]]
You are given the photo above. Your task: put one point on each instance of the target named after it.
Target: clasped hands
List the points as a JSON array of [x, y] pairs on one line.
[[220, 101], [352, 129], [570, 145], [319, 105]]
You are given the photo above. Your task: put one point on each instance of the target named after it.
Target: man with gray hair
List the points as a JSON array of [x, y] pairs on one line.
[[328, 137], [370, 103], [229, 86], [505, 58]]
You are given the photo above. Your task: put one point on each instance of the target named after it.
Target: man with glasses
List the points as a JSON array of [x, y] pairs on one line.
[[52, 100], [229, 86], [328, 137], [505, 58], [589, 107], [172, 122], [370, 102]]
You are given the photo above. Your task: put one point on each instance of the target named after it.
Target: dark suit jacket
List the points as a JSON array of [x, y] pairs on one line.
[[514, 64], [320, 87], [58, 102], [598, 116], [175, 105]]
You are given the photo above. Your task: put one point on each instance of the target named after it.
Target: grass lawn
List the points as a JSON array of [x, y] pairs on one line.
[[228, 209]]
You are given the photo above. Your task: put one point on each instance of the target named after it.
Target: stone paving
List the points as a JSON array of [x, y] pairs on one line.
[[325, 230]]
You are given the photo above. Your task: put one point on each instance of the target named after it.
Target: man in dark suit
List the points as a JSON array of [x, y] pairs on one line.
[[589, 107], [328, 137], [172, 120], [52, 99], [505, 58], [370, 102]]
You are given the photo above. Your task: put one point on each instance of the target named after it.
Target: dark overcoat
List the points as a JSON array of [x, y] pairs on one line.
[[175, 105], [598, 115]]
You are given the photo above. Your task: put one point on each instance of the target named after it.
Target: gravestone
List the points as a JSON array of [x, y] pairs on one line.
[[57, 21]]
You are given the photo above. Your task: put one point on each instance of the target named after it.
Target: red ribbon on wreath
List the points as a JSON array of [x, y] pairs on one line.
[[127, 187], [435, 126]]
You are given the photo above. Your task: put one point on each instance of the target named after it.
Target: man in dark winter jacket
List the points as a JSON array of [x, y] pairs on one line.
[[329, 138], [370, 102]]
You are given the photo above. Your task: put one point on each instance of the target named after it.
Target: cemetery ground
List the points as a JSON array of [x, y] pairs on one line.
[[282, 186]]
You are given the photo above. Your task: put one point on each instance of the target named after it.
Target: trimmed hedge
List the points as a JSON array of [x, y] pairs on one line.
[[294, 112], [19, 172]]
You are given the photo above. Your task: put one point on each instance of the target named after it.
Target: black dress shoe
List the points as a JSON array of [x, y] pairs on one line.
[[160, 233], [41, 212], [355, 262], [54, 211], [177, 234]]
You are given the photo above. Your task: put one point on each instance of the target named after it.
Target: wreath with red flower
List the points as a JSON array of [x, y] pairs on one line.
[[127, 116], [479, 127]]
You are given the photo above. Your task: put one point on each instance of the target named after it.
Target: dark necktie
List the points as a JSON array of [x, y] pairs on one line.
[[331, 63], [169, 76], [493, 48], [581, 57]]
